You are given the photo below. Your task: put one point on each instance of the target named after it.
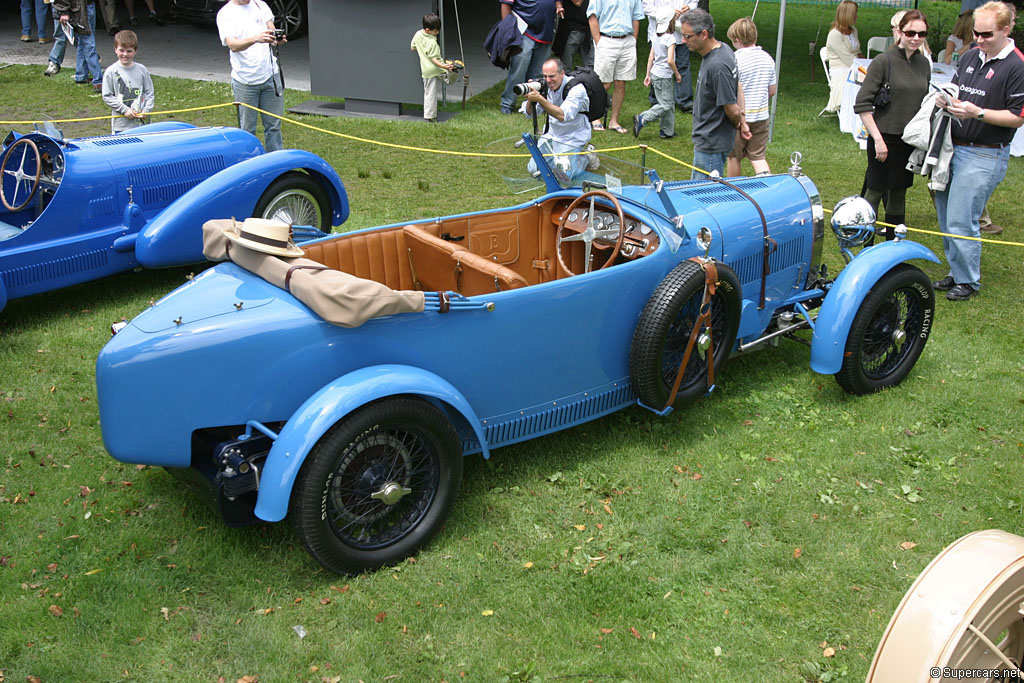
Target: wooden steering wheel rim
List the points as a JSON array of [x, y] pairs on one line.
[[565, 218], [35, 181]]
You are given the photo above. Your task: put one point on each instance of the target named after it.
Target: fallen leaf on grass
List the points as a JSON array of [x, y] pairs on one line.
[[908, 545], [636, 634], [380, 617], [325, 601], [528, 565], [343, 589], [797, 553], [608, 509], [579, 527], [606, 631], [828, 652], [56, 611], [249, 679], [487, 612]]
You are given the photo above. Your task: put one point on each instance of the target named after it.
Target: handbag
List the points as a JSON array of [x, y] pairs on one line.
[[884, 95]]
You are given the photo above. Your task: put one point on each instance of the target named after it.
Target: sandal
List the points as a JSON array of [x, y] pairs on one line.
[[597, 125], [618, 129]]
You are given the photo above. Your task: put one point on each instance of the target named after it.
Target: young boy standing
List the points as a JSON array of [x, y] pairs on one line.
[[127, 87], [662, 75], [432, 68]]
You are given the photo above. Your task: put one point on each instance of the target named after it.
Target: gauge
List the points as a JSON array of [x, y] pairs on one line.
[[572, 217], [645, 229]]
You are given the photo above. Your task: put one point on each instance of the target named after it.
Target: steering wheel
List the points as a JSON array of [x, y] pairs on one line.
[[593, 231], [20, 177]]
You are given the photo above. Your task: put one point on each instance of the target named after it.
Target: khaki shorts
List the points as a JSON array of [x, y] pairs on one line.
[[755, 147], [615, 59]]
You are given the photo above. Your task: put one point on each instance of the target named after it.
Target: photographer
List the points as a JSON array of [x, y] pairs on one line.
[[246, 27], [568, 128]]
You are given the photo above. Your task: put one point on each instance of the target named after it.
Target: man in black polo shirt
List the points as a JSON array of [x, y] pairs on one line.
[[990, 107]]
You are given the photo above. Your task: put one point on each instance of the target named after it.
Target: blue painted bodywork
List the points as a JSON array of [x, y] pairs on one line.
[[112, 203], [536, 360]]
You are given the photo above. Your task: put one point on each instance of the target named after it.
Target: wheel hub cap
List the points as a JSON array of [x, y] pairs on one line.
[[391, 493]]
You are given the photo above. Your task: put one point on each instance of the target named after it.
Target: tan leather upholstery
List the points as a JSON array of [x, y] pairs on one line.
[[378, 255], [476, 275], [434, 269], [442, 265]]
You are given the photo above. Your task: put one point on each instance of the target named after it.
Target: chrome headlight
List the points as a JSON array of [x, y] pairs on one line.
[[853, 221]]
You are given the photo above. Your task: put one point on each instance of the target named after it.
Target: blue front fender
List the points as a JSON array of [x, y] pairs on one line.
[[332, 403], [846, 295], [175, 237]]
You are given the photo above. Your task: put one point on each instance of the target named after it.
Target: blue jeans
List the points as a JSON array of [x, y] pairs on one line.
[[709, 161], [663, 108], [684, 88], [87, 60], [975, 173], [526, 64], [571, 165], [28, 8], [264, 96], [60, 43], [581, 43]]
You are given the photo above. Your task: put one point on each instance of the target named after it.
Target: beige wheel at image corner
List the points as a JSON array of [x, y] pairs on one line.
[[965, 611]]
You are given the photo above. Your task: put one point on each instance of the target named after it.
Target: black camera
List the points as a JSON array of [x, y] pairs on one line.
[[279, 33]]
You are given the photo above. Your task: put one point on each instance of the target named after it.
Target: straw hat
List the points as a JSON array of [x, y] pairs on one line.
[[267, 236]]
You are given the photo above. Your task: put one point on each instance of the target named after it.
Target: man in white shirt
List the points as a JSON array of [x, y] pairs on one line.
[[246, 27], [566, 103]]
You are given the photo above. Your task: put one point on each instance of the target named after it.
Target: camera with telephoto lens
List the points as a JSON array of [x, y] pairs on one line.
[[523, 88]]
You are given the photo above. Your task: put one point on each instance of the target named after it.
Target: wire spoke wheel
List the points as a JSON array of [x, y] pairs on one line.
[[378, 485], [382, 487], [296, 199], [889, 331], [962, 612]]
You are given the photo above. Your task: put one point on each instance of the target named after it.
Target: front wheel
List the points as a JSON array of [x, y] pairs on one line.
[[889, 331], [295, 199], [378, 486]]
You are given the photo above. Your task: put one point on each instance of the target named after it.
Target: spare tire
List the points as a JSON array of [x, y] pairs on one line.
[[664, 329]]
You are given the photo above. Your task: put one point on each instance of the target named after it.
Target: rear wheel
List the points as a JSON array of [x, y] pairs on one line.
[[296, 199], [889, 331], [378, 486]]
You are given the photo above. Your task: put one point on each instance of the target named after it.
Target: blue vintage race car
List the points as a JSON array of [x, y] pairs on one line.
[[534, 318], [77, 210]]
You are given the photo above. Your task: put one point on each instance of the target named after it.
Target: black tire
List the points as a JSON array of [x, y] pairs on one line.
[[889, 331], [297, 199], [399, 442], [291, 16], [664, 329]]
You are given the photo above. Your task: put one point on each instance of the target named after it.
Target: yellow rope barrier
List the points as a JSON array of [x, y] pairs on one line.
[[427, 150]]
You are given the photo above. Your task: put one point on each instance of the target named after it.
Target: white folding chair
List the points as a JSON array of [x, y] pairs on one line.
[[878, 44], [823, 53], [942, 56]]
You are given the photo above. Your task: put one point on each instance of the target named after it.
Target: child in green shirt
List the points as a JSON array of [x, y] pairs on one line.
[[432, 67]]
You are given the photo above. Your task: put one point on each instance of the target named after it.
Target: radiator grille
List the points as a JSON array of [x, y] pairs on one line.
[[748, 268], [717, 193]]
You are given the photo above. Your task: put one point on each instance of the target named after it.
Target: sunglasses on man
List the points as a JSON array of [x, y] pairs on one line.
[[983, 34]]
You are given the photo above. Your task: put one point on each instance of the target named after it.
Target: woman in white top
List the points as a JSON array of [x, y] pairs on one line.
[[959, 41], [843, 47]]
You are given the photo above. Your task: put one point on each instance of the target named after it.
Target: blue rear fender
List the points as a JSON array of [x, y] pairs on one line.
[[847, 294], [332, 403], [174, 237]]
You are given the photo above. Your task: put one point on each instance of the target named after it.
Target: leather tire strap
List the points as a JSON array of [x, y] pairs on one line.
[[703, 320]]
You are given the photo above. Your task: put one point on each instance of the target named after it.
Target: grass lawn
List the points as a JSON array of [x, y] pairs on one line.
[[735, 540]]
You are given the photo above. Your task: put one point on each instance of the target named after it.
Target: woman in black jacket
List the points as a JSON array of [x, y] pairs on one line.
[[904, 72]]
